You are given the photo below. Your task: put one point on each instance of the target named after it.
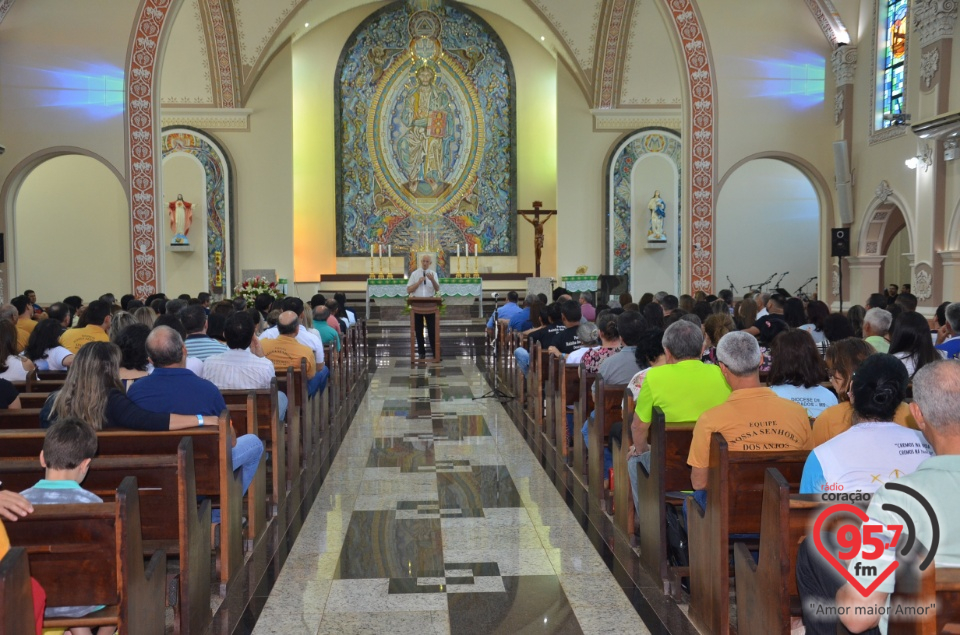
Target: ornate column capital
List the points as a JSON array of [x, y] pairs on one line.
[[844, 61], [864, 262], [950, 258], [933, 20]]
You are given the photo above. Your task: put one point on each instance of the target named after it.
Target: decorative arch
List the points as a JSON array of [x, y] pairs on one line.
[[11, 188], [143, 98], [885, 215], [701, 91], [620, 171], [218, 176], [808, 169]]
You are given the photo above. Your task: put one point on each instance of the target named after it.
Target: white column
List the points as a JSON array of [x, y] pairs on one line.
[[864, 277]]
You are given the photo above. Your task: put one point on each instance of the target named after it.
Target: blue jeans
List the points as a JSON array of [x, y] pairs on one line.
[[632, 470], [607, 454], [246, 458], [523, 360], [318, 383], [282, 403]]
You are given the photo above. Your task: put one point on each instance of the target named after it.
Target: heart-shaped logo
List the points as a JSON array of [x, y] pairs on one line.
[[859, 513]]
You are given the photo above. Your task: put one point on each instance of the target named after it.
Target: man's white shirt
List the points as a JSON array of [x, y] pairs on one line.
[[424, 289]]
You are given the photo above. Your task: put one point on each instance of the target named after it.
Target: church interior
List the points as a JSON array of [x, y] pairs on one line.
[[596, 147]]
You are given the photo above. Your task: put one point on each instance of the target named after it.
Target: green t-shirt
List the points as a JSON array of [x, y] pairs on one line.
[[881, 345], [683, 391]]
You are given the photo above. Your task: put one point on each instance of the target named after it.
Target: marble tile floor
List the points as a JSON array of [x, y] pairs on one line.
[[437, 518]]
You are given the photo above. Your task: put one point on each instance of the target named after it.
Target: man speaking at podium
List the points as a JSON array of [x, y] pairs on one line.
[[423, 284]]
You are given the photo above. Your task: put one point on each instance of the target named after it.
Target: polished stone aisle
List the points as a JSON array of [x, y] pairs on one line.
[[436, 518]]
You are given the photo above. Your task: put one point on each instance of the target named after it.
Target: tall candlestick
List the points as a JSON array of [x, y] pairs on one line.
[[389, 261], [380, 249], [371, 251], [476, 261]]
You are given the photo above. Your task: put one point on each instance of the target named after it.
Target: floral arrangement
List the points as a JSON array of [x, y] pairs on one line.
[[252, 287]]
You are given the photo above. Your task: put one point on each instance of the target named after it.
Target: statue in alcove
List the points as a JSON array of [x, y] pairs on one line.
[[658, 213], [181, 217]]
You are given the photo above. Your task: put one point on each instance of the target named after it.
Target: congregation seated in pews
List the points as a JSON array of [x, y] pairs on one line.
[[730, 416], [180, 476]]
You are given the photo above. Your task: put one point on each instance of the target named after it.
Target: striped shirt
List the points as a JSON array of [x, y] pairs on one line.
[[202, 346], [238, 370]]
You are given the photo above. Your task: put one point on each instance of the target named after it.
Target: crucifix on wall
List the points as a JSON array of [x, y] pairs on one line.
[[538, 224]]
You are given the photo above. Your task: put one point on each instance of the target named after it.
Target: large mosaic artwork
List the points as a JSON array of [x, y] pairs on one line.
[[426, 132], [621, 190], [215, 171]]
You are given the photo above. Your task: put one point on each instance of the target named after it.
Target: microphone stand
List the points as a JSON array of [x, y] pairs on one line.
[[809, 280], [776, 285], [495, 392], [732, 288]]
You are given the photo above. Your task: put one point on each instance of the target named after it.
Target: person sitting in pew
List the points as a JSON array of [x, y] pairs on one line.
[[134, 363], [589, 336], [286, 351], [843, 359], [684, 388], [753, 417], [609, 343], [172, 387], [552, 325], [93, 392], [13, 367], [936, 409], [43, 347], [567, 340], [797, 370], [328, 334], [244, 366], [68, 448], [874, 449]]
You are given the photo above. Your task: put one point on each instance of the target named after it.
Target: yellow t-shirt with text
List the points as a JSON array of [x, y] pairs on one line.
[[286, 351], [74, 339], [751, 419]]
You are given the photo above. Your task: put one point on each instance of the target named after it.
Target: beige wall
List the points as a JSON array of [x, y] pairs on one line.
[[263, 169], [71, 231]]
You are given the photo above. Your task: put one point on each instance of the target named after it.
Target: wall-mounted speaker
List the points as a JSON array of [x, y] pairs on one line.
[[841, 165], [839, 242]]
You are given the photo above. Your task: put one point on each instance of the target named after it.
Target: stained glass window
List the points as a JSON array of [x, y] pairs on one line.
[[893, 59]]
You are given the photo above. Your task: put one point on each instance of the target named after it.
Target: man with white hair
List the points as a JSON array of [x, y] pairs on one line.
[[876, 325], [752, 418], [950, 346]]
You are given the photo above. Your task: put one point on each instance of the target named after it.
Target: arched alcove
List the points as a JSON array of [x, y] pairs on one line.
[[196, 167], [768, 224], [70, 212], [642, 165]]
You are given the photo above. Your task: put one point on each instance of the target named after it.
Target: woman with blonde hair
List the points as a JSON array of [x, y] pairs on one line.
[[92, 392], [715, 327], [120, 321], [145, 315], [746, 314]]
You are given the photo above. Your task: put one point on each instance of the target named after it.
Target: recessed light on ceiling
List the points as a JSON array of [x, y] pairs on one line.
[[543, 39], [306, 25]]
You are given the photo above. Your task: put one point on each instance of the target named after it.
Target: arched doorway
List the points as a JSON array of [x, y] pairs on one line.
[[768, 228], [70, 208]]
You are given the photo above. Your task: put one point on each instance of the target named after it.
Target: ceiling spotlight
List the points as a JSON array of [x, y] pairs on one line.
[[924, 159], [543, 39], [306, 25]]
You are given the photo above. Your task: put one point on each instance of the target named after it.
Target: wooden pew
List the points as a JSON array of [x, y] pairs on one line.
[[100, 545], [16, 594], [609, 408], [581, 410], [169, 519], [272, 432], [568, 394], [669, 472], [552, 367], [33, 399], [294, 384], [213, 466], [535, 393], [922, 588], [517, 380], [623, 509], [25, 418], [734, 486], [244, 419]]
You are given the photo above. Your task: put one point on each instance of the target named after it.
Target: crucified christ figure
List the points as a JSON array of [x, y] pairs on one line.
[[538, 224]]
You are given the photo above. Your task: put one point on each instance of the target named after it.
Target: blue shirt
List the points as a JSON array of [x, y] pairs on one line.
[[506, 312], [951, 347], [521, 320], [176, 390]]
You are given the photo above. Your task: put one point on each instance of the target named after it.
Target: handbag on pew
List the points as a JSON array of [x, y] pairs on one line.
[[677, 551]]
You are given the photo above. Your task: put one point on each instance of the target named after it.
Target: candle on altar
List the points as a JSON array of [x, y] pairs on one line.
[[371, 251], [475, 251], [380, 249], [390, 251], [458, 250]]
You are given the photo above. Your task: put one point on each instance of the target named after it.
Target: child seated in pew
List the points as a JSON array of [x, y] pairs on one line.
[[68, 448]]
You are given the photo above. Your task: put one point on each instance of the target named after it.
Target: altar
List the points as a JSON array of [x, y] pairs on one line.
[[393, 291], [579, 284]]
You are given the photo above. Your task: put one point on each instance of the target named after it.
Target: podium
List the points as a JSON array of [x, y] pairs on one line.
[[424, 306]]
